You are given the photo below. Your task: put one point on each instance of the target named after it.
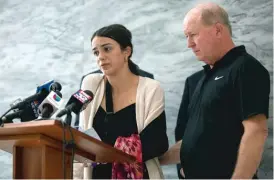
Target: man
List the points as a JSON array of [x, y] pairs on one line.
[[190, 85], [140, 71], [227, 117]]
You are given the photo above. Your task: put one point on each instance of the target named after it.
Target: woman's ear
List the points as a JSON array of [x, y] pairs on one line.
[[128, 51]]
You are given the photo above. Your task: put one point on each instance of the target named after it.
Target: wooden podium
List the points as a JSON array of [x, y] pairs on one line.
[[37, 149]]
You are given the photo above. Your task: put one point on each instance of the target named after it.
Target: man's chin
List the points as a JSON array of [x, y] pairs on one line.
[[200, 58]]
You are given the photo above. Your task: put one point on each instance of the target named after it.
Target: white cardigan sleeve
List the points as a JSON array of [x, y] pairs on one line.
[[150, 102], [94, 83], [91, 82], [149, 105]]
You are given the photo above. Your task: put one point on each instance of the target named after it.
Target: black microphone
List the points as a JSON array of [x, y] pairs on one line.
[[77, 102], [36, 97], [41, 94], [28, 113], [27, 109], [9, 117]]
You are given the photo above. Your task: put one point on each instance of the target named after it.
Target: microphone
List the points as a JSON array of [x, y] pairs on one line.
[[16, 102], [27, 109], [9, 117], [49, 86], [50, 104], [29, 112], [77, 102], [41, 93]]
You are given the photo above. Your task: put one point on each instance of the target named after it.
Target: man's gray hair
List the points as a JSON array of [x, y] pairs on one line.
[[210, 16]]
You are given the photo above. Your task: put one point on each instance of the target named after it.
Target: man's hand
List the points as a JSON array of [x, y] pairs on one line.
[[172, 156], [182, 172], [251, 147]]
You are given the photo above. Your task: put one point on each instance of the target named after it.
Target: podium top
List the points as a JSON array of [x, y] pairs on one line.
[[87, 148]]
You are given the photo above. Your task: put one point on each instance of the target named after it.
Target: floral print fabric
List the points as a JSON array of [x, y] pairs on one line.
[[132, 146]]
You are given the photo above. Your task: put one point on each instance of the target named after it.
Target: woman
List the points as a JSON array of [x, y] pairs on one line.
[[125, 104]]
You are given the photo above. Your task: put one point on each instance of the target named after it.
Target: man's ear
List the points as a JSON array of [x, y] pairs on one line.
[[219, 29]]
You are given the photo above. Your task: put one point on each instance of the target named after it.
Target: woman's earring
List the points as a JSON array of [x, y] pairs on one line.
[[125, 59]]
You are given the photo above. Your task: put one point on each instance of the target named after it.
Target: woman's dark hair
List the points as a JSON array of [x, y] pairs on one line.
[[122, 36]]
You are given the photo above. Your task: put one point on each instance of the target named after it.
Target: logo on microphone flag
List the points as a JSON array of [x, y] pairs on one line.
[[56, 98]]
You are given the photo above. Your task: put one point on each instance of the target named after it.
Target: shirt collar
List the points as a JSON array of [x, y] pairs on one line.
[[228, 58]]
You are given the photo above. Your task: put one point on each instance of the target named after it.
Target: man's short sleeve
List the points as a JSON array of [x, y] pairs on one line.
[[253, 88]]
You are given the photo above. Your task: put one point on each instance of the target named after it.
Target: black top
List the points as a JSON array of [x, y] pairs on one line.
[[123, 123], [236, 88]]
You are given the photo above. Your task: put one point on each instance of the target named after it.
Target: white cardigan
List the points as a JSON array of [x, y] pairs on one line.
[[149, 105]]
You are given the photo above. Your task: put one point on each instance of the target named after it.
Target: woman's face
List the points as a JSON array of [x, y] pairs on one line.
[[109, 56]]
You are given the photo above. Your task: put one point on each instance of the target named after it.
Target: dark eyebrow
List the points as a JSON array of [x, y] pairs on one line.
[[103, 45]]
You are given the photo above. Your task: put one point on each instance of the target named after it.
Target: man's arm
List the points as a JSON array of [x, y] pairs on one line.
[[253, 91], [251, 147], [172, 156]]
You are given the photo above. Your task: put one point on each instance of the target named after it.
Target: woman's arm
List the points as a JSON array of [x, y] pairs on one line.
[[154, 138]]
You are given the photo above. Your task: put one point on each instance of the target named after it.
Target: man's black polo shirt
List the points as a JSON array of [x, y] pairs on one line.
[[236, 88]]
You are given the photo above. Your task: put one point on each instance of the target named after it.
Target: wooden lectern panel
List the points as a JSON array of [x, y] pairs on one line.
[[87, 147], [38, 149], [52, 161], [26, 164], [37, 156], [40, 163]]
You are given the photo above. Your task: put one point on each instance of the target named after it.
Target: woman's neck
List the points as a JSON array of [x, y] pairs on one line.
[[123, 81]]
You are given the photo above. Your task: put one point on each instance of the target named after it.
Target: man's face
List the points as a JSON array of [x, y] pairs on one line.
[[200, 38]]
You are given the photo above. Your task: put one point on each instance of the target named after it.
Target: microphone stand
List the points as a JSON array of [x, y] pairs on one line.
[[68, 118], [70, 144], [1, 120]]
